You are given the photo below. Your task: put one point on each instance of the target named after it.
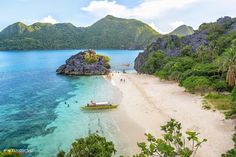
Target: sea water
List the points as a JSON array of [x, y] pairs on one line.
[[40, 110]]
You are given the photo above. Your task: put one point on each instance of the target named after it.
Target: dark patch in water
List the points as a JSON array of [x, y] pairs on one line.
[[27, 104]]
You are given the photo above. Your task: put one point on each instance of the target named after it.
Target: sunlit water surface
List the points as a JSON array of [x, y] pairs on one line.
[[34, 110]]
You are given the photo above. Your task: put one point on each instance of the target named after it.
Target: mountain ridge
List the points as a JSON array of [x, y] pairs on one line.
[[108, 32]]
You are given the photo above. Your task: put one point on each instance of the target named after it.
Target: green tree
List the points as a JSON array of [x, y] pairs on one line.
[[172, 144], [91, 146], [186, 51], [228, 61], [205, 54], [197, 84], [155, 61]]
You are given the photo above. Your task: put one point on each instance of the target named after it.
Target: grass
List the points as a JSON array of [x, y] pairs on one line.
[[99, 107], [217, 101]]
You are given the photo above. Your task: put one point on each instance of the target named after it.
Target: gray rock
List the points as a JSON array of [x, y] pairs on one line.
[[77, 65]]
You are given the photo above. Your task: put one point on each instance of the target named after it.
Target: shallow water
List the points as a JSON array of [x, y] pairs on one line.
[[34, 110]]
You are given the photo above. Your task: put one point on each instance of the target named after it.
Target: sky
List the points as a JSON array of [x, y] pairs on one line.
[[162, 15]]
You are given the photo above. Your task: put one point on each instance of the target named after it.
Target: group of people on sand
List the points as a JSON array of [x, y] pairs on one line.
[[122, 80]]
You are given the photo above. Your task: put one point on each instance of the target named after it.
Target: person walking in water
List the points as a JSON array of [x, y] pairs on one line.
[[121, 80]]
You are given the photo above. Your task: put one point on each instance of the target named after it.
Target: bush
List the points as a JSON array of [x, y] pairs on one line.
[[220, 85], [233, 94], [197, 84], [172, 144], [186, 51], [174, 68], [155, 62], [162, 74], [61, 154], [91, 146]]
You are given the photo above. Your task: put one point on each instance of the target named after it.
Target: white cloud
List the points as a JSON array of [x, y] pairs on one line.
[[104, 7], [148, 9], [176, 24], [48, 19], [156, 28]]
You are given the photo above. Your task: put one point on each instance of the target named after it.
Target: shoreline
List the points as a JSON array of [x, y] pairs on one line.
[[148, 103]]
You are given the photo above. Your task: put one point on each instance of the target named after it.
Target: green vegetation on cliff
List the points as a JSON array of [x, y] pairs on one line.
[[202, 65], [182, 30], [109, 32]]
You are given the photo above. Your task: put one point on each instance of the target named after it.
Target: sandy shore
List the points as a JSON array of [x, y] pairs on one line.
[[147, 103]]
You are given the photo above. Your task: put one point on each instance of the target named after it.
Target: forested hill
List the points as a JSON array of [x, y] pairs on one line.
[[205, 60], [109, 32]]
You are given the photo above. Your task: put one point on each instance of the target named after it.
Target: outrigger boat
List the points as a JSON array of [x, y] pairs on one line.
[[99, 106]]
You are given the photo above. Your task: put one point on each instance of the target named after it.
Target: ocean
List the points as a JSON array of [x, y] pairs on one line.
[[40, 110]]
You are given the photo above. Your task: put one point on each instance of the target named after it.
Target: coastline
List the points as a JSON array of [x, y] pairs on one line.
[[147, 103]]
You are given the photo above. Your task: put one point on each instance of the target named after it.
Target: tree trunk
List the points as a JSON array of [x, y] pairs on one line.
[[230, 78]]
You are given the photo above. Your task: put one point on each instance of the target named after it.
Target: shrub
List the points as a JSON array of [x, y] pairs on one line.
[[61, 154], [207, 69], [197, 84], [155, 61], [172, 144], [91, 146], [186, 51], [162, 74], [232, 112], [220, 85], [106, 58], [233, 94], [90, 58], [174, 68]]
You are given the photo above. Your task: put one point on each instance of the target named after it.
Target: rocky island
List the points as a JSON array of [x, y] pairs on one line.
[[85, 63]]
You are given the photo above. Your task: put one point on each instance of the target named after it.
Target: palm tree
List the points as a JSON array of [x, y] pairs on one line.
[[229, 63]]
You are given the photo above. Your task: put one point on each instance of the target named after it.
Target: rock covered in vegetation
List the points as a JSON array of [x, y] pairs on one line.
[[173, 45], [85, 63]]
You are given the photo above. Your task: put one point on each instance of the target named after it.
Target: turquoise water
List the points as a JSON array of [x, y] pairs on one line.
[[34, 112]]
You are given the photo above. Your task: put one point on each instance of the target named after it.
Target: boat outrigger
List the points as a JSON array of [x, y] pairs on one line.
[[99, 106]]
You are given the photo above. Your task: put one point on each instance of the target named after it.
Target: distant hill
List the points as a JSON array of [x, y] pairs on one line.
[[109, 32], [183, 30], [213, 37]]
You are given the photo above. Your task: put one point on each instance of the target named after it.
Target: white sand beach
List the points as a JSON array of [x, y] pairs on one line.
[[147, 103]]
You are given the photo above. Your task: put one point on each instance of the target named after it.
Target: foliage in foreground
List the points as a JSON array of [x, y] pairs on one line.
[[231, 100], [91, 146], [232, 112], [173, 143]]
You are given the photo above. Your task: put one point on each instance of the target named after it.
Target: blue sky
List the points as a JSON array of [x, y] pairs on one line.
[[163, 15]]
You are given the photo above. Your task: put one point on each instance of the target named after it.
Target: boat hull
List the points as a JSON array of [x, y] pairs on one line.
[[105, 107]]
